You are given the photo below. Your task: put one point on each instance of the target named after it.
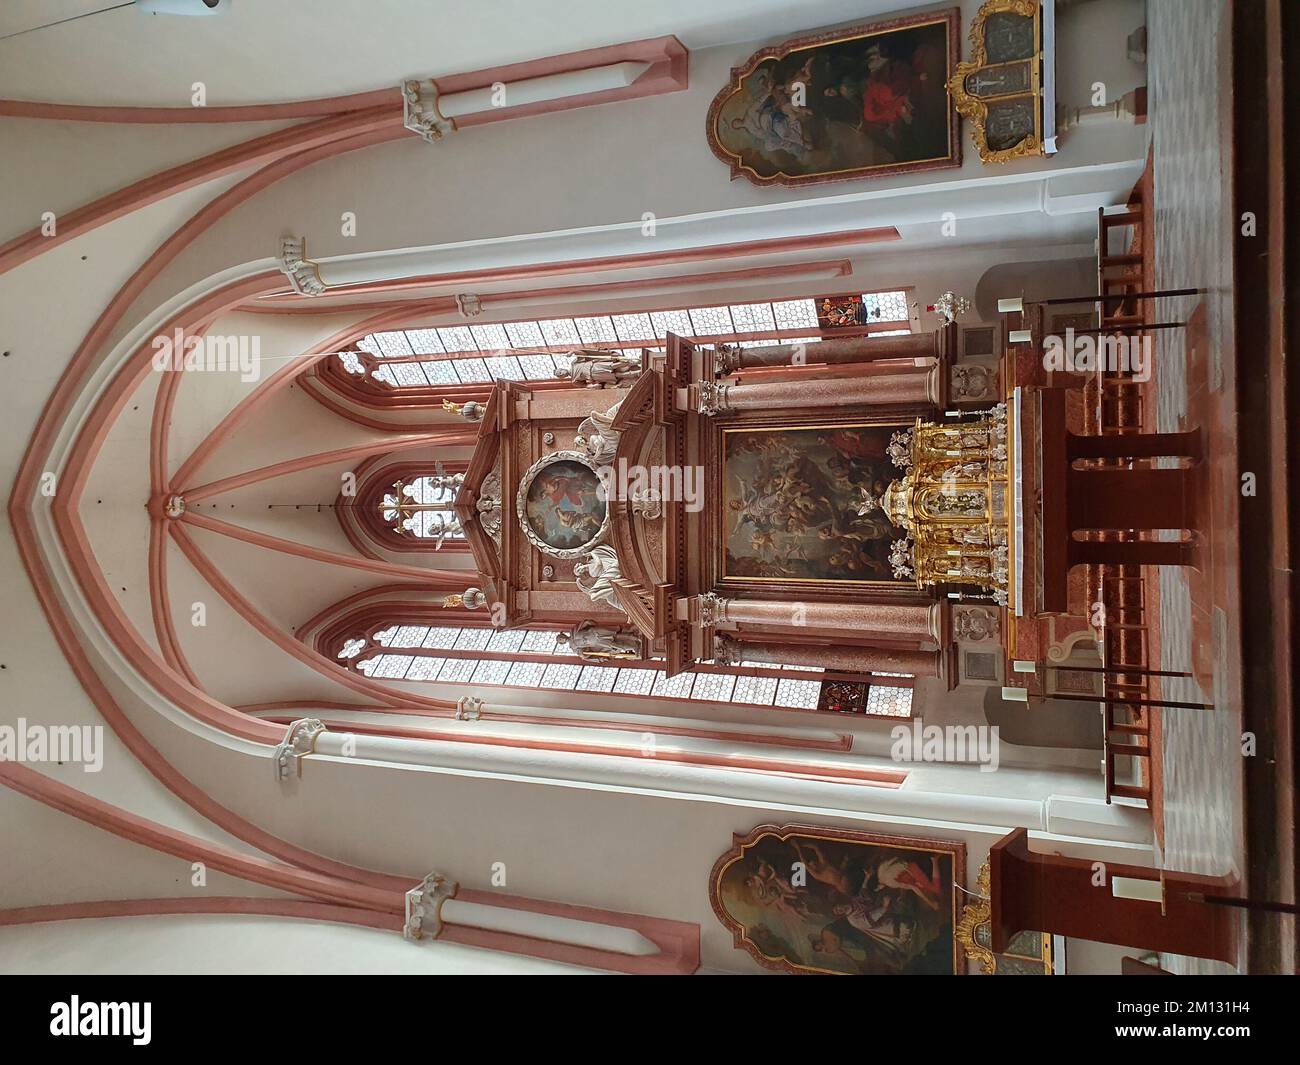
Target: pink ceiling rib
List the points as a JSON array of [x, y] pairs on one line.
[[282, 377], [324, 106], [678, 941], [450, 579], [450, 437], [260, 150], [277, 155], [160, 604], [209, 904], [34, 461]]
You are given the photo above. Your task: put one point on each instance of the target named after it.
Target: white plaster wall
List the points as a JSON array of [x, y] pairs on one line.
[[244, 945]]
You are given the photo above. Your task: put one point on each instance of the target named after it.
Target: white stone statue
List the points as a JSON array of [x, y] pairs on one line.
[[595, 368], [599, 643], [595, 574], [596, 436]]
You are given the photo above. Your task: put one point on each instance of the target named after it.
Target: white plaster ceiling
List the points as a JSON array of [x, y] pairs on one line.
[[299, 49]]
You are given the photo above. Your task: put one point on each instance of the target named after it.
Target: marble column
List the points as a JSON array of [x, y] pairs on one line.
[[837, 351], [841, 659], [910, 386], [907, 621]]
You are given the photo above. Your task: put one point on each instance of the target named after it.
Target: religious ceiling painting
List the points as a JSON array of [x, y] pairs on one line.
[[816, 900], [866, 101], [561, 505], [802, 504]]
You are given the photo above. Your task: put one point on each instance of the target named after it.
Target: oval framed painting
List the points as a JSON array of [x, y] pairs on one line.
[[561, 505]]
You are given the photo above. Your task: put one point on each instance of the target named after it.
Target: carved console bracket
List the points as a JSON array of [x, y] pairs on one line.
[[420, 112], [424, 906], [303, 273], [299, 741]]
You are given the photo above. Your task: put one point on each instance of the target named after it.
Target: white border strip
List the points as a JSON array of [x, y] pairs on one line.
[[1018, 498]]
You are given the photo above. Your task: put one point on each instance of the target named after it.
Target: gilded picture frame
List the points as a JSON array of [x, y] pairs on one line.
[[972, 935], [975, 107]]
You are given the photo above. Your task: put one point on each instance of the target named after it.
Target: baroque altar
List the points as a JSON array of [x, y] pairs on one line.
[[679, 506]]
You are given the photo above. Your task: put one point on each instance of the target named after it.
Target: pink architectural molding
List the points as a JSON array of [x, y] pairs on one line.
[[209, 904], [327, 105], [296, 708], [136, 829], [450, 579], [278, 303], [646, 260], [783, 767]]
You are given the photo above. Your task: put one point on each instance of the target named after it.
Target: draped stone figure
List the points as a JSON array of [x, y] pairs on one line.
[[595, 574], [599, 643], [595, 368], [596, 436]]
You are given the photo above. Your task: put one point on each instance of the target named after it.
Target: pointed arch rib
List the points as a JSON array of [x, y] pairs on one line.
[[451, 437]]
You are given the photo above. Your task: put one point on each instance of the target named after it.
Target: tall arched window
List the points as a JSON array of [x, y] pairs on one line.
[[427, 365], [534, 658]]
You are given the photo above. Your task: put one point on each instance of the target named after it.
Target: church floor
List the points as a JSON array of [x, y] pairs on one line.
[[1204, 826], [1201, 763]]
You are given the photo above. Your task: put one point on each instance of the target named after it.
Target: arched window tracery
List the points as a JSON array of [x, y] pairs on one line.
[[404, 507]]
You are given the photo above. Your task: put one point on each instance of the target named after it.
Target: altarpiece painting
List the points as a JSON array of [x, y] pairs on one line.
[[798, 504]]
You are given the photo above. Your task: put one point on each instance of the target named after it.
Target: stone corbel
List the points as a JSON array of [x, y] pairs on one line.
[[303, 273], [424, 906], [298, 742], [420, 112], [470, 599]]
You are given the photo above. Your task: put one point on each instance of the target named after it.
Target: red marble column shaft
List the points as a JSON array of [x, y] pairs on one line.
[[840, 350], [892, 620], [911, 386]]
